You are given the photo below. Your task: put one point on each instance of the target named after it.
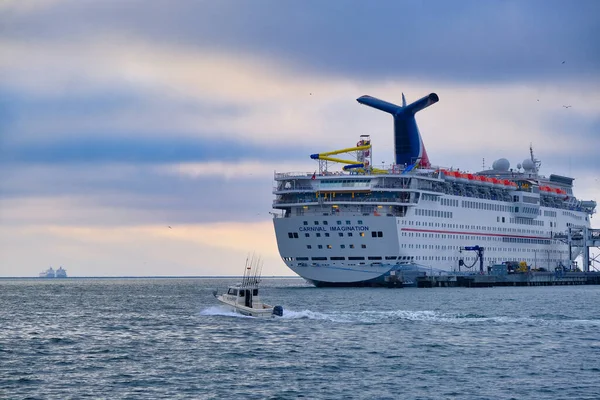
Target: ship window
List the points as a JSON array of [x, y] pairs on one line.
[[374, 257], [364, 246], [356, 258], [379, 234], [337, 258], [390, 257], [329, 246], [340, 234], [320, 246], [296, 235], [324, 222], [374, 234], [254, 292], [308, 246], [342, 246], [241, 293], [305, 222], [307, 234], [291, 235], [301, 258], [360, 222], [319, 258], [362, 234], [316, 222], [326, 234], [349, 233], [351, 246], [339, 222], [318, 235], [347, 222]]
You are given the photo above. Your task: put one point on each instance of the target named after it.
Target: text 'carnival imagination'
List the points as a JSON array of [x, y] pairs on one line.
[[361, 225]]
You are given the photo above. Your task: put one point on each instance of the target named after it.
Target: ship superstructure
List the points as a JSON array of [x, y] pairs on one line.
[[359, 224]]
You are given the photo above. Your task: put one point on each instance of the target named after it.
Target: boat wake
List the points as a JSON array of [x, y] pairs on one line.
[[391, 316]]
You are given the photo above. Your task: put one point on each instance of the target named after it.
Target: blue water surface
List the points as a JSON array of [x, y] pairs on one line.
[[144, 338]]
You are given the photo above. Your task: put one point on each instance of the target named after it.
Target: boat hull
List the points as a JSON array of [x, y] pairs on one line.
[[265, 312]]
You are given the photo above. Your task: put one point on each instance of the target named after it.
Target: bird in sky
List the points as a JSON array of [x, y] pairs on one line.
[[563, 62], [567, 106], [170, 227]]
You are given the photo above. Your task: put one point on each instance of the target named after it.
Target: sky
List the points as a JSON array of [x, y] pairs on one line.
[[140, 138]]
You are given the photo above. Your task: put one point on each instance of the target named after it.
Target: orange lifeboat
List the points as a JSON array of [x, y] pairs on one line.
[[464, 178], [497, 183], [508, 184], [450, 176], [488, 181], [480, 180]]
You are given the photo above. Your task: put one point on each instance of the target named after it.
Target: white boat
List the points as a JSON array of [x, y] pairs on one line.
[[244, 297], [358, 225]]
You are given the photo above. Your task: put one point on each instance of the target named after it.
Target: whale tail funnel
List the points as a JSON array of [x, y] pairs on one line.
[[408, 144]]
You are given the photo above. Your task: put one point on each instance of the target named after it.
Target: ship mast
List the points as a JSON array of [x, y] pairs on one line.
[[536, 163]]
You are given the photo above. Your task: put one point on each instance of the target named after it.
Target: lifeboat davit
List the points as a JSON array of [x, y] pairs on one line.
[[471, 178]]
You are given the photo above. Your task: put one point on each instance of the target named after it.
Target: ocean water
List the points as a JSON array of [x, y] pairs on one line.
[[146, 338]]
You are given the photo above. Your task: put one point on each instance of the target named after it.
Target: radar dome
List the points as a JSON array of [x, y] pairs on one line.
[[502, 164], [528, 165]]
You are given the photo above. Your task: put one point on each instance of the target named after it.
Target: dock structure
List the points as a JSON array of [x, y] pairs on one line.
[[583, 239], [532, 278]]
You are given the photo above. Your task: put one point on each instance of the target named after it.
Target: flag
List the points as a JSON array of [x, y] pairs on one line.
[[314, 175]]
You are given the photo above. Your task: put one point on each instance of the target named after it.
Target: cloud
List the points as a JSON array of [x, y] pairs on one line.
[[471, 41]]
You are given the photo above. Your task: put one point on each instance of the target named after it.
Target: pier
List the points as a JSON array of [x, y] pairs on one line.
[[516, 279]]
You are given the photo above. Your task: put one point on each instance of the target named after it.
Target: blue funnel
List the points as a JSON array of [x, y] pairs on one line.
[[408, 145]]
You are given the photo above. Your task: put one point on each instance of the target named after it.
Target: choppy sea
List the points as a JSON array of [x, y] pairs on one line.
[[148, 338]]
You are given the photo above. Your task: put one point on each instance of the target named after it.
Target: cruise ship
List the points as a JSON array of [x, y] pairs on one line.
[[49, 273], [351, 224]]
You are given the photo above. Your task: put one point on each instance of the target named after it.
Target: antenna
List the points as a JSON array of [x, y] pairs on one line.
[[483, 163], [536, 163]]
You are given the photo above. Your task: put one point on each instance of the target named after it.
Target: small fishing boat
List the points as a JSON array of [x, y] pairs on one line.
[[244, 298]]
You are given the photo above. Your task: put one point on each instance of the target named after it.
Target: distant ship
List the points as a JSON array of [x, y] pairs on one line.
[[50, 273]]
